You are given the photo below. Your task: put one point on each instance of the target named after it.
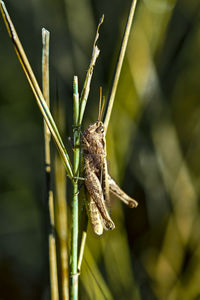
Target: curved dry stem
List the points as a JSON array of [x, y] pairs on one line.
[[86, 86]]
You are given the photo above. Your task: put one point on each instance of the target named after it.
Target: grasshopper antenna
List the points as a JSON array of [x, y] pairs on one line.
[[101, 104]]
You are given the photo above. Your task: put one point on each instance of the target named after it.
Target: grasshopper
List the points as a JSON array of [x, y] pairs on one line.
[[98, 182]]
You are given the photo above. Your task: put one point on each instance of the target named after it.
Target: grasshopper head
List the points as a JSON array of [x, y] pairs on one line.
[[94, 133], [97, 127]]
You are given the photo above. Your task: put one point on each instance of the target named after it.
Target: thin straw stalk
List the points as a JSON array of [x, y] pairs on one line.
[[62, 224], [119, 65], [50, 197]]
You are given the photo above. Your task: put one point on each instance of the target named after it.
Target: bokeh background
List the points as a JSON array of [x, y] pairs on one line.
[[153, 146]]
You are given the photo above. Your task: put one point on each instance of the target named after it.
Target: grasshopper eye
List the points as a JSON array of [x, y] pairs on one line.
[[100, 129]]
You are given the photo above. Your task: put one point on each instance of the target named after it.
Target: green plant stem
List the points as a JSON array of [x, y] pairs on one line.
[[74, 248], [119, 65]]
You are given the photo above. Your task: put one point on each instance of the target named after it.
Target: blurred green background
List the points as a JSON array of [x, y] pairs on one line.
[[153, 146]]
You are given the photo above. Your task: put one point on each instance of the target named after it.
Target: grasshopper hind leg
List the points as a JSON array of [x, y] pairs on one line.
[[95, 191], [120, 194]]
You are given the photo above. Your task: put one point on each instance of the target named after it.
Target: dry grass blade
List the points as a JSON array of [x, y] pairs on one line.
[[36, 89]]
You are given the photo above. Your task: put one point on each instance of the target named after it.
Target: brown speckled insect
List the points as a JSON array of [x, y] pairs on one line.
[[98, 182]]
